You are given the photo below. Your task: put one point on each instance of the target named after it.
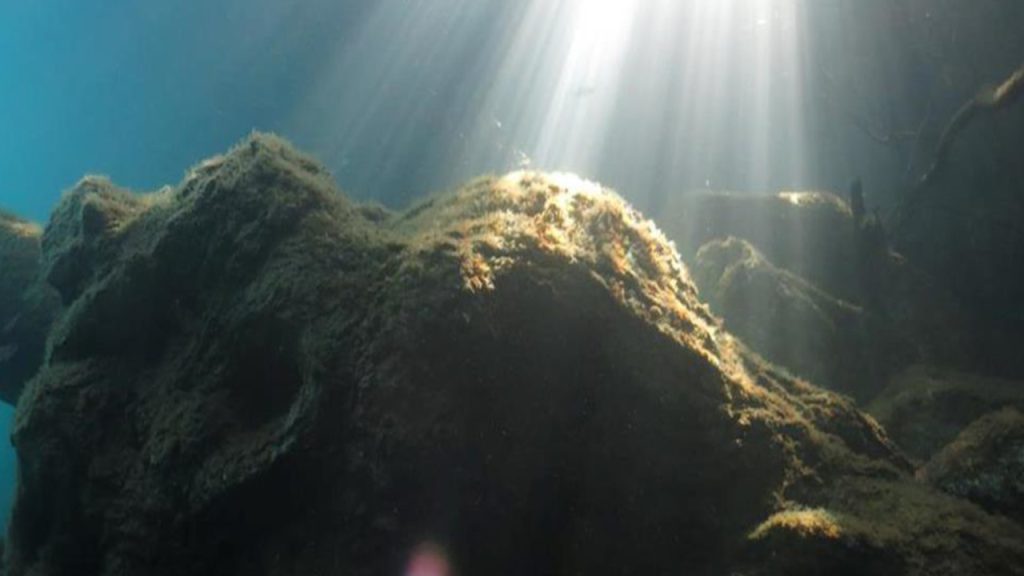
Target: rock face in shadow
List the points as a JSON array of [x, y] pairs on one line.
[[864, 312], [793, 323], [254, 375], [925, 408], [811, 234], [985, 464], [27, 306]]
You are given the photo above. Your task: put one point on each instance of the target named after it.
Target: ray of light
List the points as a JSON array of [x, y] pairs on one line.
[[652, 96]]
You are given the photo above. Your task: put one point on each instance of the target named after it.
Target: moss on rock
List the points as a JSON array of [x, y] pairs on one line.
[[253, 374], [818, 254], [791, 322], [985, 464], [27, 305], [926, 407]]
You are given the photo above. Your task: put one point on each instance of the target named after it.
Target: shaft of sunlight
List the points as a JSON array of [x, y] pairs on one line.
[[651, 96]]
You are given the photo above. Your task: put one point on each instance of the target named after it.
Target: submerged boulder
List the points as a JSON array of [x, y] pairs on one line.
[[876, 526], [254, 375], [795, 324], [925, 407], [985, 464], [20, 250], [863, 311], [809, 233], [27, 305]]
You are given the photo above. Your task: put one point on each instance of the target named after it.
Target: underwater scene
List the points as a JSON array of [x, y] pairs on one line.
[[512, 287]]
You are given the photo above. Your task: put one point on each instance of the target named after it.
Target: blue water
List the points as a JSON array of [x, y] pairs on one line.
[[143, 90]]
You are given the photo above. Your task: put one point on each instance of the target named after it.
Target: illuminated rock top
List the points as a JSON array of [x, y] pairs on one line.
[[255, 375]]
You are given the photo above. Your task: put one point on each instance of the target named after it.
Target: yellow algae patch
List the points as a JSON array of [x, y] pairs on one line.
[[477, 275], [816, 523], [579, 220]]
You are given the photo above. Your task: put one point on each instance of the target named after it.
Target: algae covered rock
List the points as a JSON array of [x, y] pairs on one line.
[[793, 323], [809, 233], [866, 525], [985, 464], [20, 248], [925, 407], [817, 541], [254, 375], [27, 306], [814, 238]]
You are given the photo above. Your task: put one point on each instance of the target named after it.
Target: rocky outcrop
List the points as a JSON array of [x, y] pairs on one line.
[[875, 526], [809, 233], [20, 250], [985, 464], [27, 306], [925, 407], [253, 375], [795, 324], [848, 311]]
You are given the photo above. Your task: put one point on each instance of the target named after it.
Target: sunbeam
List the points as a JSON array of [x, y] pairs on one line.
[[653, 96]]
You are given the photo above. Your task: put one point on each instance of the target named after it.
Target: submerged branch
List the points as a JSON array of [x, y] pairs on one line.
[[988, 99]]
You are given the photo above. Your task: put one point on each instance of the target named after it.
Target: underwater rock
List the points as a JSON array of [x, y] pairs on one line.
[[812, 236], [20, 250], [925, 407], [27, 306], [871, 525], [76, 242], [793, 323], [816, 541], [985, 464], [811, 233], [254, 375]]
